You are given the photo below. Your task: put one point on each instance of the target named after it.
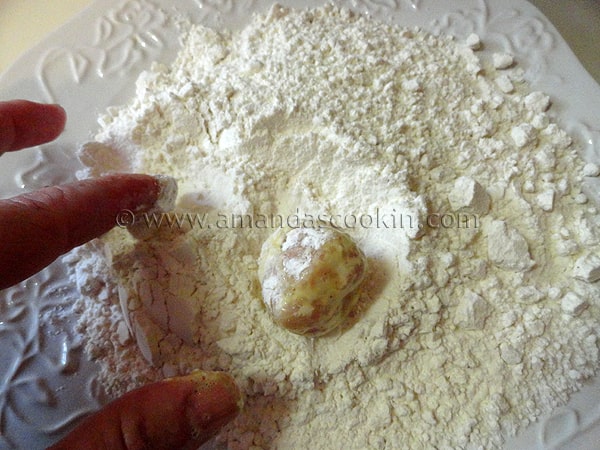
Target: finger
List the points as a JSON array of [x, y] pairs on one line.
[[26, 124], [38, 227], [177, 413]]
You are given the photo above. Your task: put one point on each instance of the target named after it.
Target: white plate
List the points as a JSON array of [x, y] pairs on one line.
[[46, 384]]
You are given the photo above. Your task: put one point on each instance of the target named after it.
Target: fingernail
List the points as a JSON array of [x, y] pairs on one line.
[[216, 401], [167, 193]]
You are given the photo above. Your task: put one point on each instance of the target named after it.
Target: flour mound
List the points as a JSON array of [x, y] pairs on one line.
[[464, 197]]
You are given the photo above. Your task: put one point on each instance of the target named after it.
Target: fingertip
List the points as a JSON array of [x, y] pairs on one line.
[[216, 401], [49, 121], [26, 124], [57, 120]]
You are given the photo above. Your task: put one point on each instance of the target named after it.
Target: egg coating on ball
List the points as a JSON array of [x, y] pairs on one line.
[[309, 278]]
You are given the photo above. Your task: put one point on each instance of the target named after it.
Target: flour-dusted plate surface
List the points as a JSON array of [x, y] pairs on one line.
[[92, 63]]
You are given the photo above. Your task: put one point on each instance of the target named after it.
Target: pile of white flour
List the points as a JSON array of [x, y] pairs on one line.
[[480, 310]]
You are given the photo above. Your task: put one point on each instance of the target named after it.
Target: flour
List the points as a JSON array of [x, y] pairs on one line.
[[296, 266], [479, 312]]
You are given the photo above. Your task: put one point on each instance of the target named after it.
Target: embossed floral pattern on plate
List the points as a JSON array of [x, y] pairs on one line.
[[45, 382]]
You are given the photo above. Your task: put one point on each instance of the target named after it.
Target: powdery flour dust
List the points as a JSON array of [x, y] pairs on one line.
[[463, 333]]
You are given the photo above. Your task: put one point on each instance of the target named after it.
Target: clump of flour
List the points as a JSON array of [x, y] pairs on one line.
[[479, 313]]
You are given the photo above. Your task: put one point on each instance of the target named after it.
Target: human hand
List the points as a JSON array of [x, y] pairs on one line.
[[37, 228], [176, 413], [40, 226]]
